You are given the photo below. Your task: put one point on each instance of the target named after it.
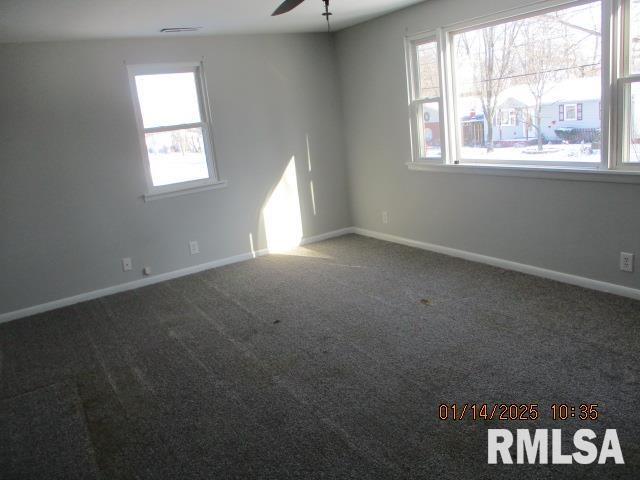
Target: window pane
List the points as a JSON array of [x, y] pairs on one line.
[[529, 90], [176, 156], [634, 124], [634, 37], [429, 130], [168, 99], [429, 85]]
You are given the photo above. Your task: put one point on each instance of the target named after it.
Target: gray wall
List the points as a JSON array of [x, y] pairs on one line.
[[71, 175], [569, 226]]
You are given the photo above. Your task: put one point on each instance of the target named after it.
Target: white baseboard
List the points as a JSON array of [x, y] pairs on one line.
[[507, 264], [143, 282], [475, 257], [327, 235]]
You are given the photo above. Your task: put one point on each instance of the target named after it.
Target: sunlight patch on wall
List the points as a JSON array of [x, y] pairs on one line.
[[308, 154], [313, 195], [313, 198], [251, 246], [282, 219]]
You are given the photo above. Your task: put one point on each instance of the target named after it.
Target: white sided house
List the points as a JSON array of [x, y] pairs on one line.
[[570, 113]]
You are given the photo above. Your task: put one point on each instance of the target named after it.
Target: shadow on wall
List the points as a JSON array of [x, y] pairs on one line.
[[281, 213]]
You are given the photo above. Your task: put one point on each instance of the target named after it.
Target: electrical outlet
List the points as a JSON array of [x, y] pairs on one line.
[[194, 248], [385, 217], [626, 262], [146, 270], [127, 264]]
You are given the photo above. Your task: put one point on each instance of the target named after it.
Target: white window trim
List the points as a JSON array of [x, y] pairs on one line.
[[575, 111], [416, 102], [155, 192], [611, 168], [508, 112]]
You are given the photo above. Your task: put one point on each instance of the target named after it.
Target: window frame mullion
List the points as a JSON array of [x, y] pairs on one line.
[[416, 101], [171, 128]]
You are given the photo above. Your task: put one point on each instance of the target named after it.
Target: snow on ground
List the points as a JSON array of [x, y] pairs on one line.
[[167, 168], [552, 153]]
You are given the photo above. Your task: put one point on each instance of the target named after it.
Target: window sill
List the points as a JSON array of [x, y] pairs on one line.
[[548, 172], [185, 191]]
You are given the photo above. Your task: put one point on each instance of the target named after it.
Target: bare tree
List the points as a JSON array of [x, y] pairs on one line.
[[428, 67], [539, 59], [546, 53], [635, 36], [490, 54]]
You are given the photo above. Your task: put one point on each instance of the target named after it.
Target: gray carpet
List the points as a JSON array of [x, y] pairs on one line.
[[322, 363]]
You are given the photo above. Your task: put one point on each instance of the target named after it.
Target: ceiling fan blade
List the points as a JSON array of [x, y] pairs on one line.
[[286, 6]]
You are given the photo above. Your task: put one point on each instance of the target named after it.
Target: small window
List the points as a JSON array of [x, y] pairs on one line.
[[508, 117], [570, 112], [174, 126], [426, 100]]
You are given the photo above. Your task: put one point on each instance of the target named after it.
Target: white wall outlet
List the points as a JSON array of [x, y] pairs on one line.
[[626, 262], [127, 264], [194, 248], [146, 270], [385, 217]]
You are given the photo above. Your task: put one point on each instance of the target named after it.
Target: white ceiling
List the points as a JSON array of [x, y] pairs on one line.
[[44, 20]]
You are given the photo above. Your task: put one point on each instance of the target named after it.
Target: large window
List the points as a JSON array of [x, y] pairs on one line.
[[631, 83], [174, 126], [526, 88]]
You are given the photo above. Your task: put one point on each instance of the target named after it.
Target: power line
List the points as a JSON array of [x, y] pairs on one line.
[[534, 73]]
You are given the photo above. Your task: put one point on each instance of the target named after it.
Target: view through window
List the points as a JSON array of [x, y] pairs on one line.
[[528, 90], [174, 128]]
